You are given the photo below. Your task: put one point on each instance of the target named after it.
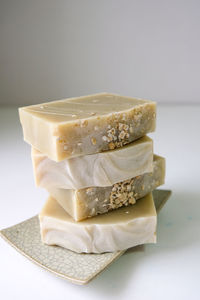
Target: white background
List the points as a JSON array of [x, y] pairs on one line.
[[168, 270], [55, 49]]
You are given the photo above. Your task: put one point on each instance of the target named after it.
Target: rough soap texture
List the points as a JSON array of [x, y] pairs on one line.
[[101, 169], [88, 202], [86, 125], [119, 229]]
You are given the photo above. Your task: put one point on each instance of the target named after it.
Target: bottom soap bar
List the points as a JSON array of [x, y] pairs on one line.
[[116, 230], [88, 202]]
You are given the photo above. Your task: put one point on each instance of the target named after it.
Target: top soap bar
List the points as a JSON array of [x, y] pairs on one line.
[[86, 125]]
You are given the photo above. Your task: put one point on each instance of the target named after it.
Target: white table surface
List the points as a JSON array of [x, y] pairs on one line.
[[169, 269]]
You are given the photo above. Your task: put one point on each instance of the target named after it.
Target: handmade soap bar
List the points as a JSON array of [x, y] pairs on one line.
[[100, 169], [116, 230], [86, 125], [88, 202]]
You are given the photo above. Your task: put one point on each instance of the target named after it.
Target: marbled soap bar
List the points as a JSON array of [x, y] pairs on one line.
[[89, 202], [100, 169], [86, 125], [119, 229]]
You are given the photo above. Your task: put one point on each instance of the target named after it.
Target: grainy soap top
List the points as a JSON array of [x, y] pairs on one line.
[[86, 125], [82, 107]]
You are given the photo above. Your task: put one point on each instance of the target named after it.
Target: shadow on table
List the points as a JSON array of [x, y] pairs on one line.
[[176, 222]]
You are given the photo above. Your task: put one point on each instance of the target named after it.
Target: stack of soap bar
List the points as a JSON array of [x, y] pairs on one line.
[[117, 230], [93, 156]]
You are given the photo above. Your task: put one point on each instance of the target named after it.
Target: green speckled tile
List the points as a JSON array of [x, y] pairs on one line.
[[77, 268]]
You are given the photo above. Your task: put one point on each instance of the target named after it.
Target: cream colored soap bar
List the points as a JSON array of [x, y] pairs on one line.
[[86, 125], [101, 169], [88, 202], [119, 229]]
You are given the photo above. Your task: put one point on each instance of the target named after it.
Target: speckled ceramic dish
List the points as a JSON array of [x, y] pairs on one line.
[[77, 268]]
